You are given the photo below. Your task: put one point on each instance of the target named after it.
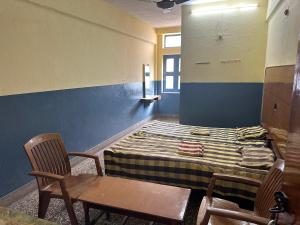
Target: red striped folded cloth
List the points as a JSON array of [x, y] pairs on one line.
[[190, 148]]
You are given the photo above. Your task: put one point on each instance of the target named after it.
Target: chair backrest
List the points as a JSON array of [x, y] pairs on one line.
[[271, 184], [47, 153]]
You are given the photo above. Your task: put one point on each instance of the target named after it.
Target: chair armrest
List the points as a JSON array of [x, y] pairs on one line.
[[81, 154], [85, 155], [47, 175], [225, 177], [56, 177], [238, 215]]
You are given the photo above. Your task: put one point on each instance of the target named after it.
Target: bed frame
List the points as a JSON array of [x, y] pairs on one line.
[[277, 102]]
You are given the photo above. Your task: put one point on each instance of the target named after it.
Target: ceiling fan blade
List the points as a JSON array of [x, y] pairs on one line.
[[165, 4], [180, 1]]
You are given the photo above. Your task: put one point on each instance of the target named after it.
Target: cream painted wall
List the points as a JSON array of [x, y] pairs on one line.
[[60, 44], [244, 38], [283, 34]]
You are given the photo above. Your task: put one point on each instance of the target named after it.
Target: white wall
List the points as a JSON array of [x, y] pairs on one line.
[[283, 34], [244, 36]]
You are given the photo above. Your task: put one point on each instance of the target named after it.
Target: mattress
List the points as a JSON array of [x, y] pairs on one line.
[[151, 154], [179, 131]]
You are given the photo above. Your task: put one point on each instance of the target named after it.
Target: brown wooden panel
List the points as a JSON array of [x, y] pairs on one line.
[[267, 104], [285, 93], [292, 171], [280, 74], [277, 100], [281, 116]]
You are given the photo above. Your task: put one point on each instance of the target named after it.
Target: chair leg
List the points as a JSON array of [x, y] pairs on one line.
[[206, 218], [86, 213], [70, 210], [107, 216], [44, 200]]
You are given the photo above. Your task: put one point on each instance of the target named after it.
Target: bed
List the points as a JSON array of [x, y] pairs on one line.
[[151, 154], [179, 131]]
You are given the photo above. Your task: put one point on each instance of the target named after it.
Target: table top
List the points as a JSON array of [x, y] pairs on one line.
[[163, 201]]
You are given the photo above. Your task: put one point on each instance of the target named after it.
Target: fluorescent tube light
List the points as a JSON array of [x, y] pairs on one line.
[[195, 2], [223, 9]]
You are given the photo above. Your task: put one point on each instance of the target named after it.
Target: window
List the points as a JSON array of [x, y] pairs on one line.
[[171, 73], [169, 65], [172, 40]]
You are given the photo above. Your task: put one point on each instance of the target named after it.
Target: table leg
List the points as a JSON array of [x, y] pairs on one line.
[[86, 213], [124, 220]]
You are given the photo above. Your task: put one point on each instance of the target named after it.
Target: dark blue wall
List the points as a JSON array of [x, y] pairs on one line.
[[221, 104], [169, 103], [85, 117]]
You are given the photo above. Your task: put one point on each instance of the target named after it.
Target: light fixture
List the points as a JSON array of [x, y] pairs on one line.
[[196, 2], [223, 9]]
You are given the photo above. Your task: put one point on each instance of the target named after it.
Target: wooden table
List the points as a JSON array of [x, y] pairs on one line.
[[150, 201]]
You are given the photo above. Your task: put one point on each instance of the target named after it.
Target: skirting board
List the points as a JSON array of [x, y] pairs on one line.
[[19, 193], [166, 116]]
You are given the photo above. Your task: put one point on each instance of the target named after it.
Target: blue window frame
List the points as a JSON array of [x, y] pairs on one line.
[[171, 73]]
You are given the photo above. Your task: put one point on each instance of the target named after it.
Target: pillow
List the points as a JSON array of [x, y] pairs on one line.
[[257, 158], [255, 132], [245, 151], [266, 164], [253, 128]]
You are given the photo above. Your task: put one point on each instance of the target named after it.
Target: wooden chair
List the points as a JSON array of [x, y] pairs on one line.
[[216, 211], [52, 169]]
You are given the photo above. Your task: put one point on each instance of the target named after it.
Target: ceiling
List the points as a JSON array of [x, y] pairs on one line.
[[147, 11]]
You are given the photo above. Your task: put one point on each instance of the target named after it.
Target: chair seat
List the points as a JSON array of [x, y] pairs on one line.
[[74, 184], [222, 204]]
